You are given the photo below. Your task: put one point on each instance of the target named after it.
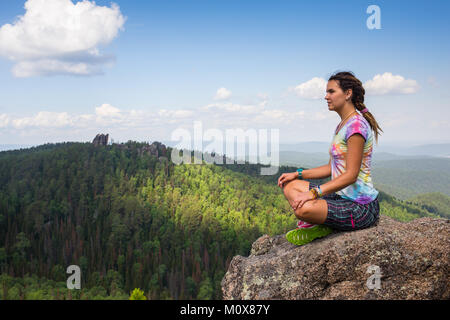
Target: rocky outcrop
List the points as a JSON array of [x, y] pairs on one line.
[[100, 140], [392, 260]]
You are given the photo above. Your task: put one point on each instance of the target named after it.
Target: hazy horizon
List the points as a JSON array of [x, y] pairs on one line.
[[13, 146]]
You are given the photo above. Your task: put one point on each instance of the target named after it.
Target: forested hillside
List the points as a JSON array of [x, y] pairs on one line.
[[435, 202], [131, 220]]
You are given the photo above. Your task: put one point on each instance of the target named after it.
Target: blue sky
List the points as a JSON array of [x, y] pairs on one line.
[[168, 60]]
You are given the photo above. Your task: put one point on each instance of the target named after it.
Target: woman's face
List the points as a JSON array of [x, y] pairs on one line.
[[335, 96]]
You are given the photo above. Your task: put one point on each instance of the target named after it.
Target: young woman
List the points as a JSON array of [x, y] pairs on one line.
[[348, 201]]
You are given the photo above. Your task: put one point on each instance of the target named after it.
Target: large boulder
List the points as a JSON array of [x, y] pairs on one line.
[[392, 260]]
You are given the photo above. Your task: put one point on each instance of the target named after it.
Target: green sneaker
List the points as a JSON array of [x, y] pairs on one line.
[[301, 236]]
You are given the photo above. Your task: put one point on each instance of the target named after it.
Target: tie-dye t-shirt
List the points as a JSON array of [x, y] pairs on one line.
[[362, 191]]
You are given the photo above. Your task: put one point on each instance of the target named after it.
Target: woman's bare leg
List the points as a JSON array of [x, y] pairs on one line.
[[313, 211]]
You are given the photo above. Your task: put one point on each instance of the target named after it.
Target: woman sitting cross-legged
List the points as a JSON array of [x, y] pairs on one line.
[[348, 201]]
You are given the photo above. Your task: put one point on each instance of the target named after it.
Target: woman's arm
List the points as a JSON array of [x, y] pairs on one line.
[[318, 173], [355, 145]]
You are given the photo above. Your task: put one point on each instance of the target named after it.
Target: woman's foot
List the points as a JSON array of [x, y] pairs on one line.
[[307, 232]]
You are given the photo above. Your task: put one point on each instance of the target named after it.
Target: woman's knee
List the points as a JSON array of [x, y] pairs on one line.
[[298, 185]]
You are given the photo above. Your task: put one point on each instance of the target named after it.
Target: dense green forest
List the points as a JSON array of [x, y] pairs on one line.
[[133, 220]]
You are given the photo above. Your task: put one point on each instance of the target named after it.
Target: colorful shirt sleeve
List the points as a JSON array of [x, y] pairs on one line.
[[357, 126]]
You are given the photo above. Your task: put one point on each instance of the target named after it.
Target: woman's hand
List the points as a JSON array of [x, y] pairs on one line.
[[286, 177], [300, 199]]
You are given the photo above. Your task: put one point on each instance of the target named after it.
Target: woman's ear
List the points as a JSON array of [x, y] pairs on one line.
[[348, 94]]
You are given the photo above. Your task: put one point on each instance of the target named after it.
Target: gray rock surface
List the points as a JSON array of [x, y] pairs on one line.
[[413, 262], [100, 140]]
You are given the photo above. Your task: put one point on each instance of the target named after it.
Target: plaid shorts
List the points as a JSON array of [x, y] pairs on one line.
[[345, 215]]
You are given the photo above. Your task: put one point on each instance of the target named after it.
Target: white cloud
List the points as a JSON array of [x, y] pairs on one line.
[[4, 120], [107, 110], [222, 94], [60, 37], [296, 121], [26, 69], [312, 89], [218, 115], [387, 83], [44, 119]]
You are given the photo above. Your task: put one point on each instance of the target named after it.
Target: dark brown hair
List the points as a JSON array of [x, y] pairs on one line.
[[347, 80]]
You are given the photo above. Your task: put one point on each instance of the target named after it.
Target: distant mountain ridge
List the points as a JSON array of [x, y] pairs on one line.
[[432, 150]]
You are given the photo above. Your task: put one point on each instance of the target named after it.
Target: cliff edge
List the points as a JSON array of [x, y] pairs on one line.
[[392, 260]]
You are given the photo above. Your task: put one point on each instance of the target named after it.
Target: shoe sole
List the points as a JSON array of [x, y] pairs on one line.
[[303, 236]]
